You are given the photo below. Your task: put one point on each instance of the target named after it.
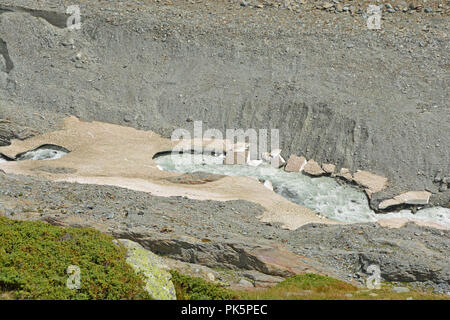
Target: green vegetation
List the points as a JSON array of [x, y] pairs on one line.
[[299, 287], [34, 257], [190, 288], [317, 287], [305, 286]]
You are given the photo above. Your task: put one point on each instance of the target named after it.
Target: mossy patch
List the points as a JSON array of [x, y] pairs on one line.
[[34, 257]]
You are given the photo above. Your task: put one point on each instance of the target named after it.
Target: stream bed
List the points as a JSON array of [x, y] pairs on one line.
[[323, 195]]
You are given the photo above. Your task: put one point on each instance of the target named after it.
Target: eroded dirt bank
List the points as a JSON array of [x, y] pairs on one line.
[[230, 235], [338, 92]]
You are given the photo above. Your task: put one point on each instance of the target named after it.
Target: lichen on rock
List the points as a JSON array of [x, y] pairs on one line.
[[158, 281]]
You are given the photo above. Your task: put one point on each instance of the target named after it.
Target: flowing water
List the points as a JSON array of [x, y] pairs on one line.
[[47, 152], [324, 195]]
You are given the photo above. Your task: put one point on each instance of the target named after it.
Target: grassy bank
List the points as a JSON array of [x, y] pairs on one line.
[[299, 287], [34, 257]]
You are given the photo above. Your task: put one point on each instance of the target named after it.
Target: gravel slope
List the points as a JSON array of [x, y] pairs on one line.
[[373, 100]]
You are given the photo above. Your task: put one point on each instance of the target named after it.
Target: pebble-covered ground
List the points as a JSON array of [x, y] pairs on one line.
[[409, 254], [379, 98]]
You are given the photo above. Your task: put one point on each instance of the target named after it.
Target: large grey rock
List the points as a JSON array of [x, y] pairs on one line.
[[410, 197], [158, 281], [10, 130], [407, 254]]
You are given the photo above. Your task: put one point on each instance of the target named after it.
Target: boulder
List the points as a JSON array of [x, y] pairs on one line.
[[345, 174], [295, 164], [158, 280], [313, 168], [328, 168], [410, 197], [372, 182]]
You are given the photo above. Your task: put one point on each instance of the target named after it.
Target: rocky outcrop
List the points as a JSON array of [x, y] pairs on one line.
[[10, 130], [158, 281], [265, 258], [411, 253]]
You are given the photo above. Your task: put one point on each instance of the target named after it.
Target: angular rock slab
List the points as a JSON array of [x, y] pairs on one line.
[[345, 174], [313, 168], [410, 197], [373, 182], [328, 168], [295, 164], [158, 281]]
